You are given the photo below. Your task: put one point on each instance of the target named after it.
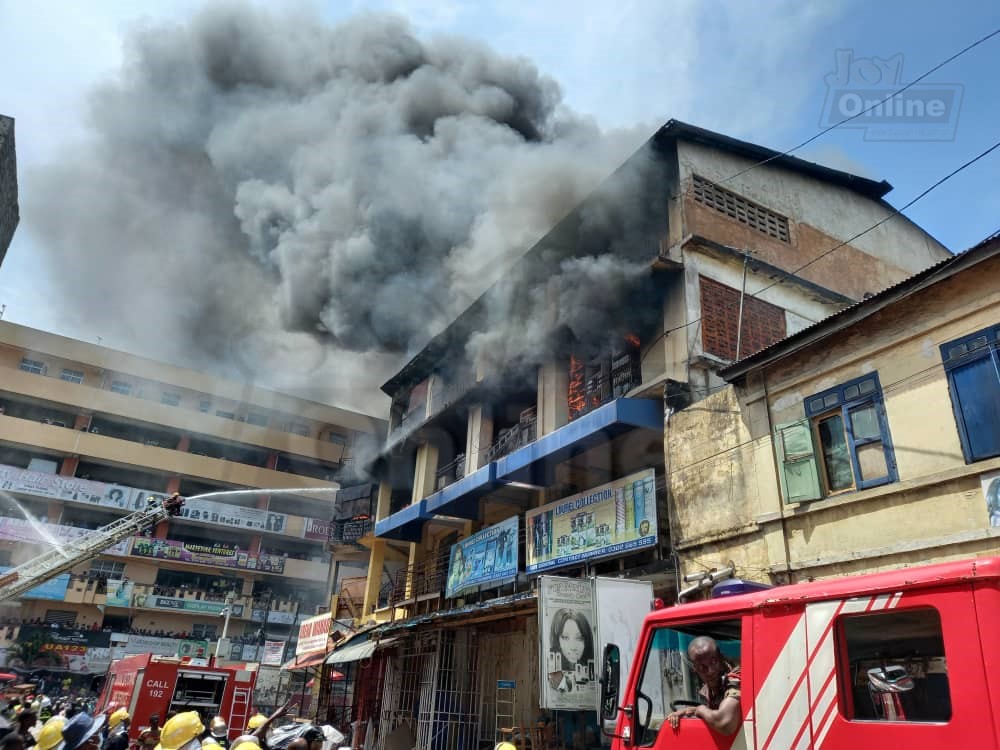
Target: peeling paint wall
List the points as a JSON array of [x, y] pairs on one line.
[[723, 474]]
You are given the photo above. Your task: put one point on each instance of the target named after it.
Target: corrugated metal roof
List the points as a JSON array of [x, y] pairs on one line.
[[863, 308]]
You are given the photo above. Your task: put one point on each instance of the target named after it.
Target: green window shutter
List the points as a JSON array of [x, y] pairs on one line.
[[797, 468]]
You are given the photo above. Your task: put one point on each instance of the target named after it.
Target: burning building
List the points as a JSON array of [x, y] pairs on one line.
[[543, 406]]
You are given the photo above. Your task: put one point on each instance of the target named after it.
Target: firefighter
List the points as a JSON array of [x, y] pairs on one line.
[[117, 731], [220, 731], [255, 721], [82, 732], [50, 738], [182, 732]]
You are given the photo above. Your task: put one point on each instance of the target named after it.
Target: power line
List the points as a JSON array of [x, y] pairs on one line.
[[789, 274], [877, 104], [894, 214], [887, 388]]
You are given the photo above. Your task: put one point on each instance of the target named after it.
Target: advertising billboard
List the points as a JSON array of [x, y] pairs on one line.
[[221, 555], [611, 519], [488, 557], [568, 658]]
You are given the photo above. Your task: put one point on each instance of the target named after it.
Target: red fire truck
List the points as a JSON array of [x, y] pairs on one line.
[[146, 685], [906, 659]]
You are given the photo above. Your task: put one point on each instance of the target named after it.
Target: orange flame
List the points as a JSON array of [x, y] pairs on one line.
[[576, 397]]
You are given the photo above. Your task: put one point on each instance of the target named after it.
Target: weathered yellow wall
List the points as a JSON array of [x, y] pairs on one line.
[[728, 506]]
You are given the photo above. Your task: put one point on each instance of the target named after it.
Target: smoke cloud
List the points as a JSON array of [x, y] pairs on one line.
[[305, 205]]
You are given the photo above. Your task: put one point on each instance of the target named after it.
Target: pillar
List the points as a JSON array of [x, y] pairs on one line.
[[68, 466], [384, 501], [423, 475], [373, 582], [479, 436], [184, 444], [82, 422], [553, 394], [272, 461]]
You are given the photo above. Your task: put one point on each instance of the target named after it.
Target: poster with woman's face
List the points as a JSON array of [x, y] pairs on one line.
[[568, 641]]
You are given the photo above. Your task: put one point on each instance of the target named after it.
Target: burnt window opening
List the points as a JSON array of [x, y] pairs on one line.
[[763, 323], [596, 381], [740, 209]]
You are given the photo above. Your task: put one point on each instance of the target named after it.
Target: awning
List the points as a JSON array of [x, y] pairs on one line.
[[532, 462], [307, 660], [357, 651], [404, 525], [461, 498]]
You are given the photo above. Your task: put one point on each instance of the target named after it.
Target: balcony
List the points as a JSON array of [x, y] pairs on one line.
[[510, 439], [450, 473], [421, 586], [90, 589]]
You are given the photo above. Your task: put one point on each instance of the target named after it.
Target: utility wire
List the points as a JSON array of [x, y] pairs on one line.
[[877, 104], [789, 274]]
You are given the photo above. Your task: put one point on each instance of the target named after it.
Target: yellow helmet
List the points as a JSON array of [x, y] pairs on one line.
[[117, 718], [255, 721], [210, 743], [180, 730], [246, 741], [50, 737], [505, 746]]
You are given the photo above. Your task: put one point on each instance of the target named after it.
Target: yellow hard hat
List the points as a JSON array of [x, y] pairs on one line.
[[210, 743], [246, 741], [255, 721], [505, 746], [50, 737], [180, 730], [117, 718]]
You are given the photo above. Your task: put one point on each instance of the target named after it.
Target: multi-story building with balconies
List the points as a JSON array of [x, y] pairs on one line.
[[541, 412], [88, 433]]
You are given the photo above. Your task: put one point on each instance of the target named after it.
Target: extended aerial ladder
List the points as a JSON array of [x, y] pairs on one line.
[[60, 559]]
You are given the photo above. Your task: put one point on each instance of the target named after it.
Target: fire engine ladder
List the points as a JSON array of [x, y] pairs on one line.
[[64, 557]]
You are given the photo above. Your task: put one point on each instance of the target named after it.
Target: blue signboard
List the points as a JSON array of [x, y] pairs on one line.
[[487, 557], [54, 588]]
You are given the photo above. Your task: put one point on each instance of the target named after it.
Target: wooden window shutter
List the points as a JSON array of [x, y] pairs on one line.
[[797, 465]]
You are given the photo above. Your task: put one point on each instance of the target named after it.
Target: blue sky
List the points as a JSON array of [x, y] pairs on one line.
[[752, 70]]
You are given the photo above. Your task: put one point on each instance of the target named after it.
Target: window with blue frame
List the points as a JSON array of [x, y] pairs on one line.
[[851, 435], [972, 364], [843, 443]]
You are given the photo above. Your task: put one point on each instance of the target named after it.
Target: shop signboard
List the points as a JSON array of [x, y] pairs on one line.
[[54, 588], [273, 653], [316, 529], [178, 604], [313, 634], [192, 648], [77, 490], [219, 555], [568, 658], [119, 593], [488, 557], [150, 644], [49, 534], [273, 617], [612, 519]]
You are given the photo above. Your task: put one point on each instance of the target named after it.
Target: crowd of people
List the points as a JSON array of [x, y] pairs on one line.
[[39, 723], [8, 629]]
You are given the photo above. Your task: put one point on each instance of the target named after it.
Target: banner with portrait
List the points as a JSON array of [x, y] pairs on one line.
[[487, 558], [611, 519], [568, 660]]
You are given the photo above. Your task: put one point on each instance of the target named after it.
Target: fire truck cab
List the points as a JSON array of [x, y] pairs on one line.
[[146, 685], [899, 659]]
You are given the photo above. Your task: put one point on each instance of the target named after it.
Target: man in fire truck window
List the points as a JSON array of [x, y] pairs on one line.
[[720, 690]]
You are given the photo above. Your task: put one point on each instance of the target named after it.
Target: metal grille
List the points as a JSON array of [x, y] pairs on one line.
[[449, 699], [434, 686], [402, 685]]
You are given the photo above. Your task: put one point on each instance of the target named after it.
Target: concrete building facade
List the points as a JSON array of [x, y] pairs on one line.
[[867, 442], [88, 433], [553, 388]]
